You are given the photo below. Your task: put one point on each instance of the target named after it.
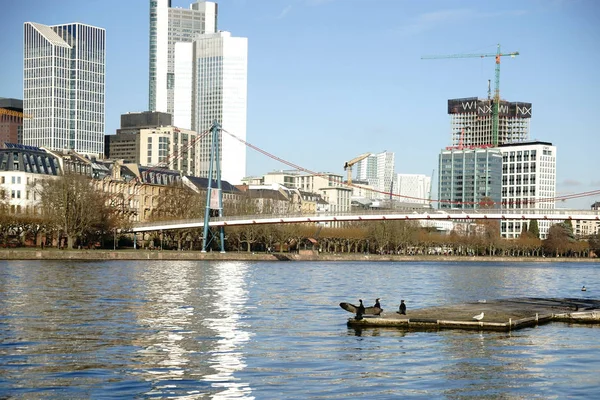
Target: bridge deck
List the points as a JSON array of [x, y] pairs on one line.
[[500, 315]]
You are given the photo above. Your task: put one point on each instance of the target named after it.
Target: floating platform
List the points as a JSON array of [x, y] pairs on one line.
[[500, 315]]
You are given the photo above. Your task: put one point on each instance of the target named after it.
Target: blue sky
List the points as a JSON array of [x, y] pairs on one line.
[[331, 79]]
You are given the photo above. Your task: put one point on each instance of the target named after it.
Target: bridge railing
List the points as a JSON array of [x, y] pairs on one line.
[[435, 213]]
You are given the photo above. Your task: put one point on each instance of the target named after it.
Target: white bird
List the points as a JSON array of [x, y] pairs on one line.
[[478, 317]]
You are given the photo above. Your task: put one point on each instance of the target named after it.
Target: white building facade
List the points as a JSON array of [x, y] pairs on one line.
[[378, 171], [22, 169], [528, 182], [413, 188], [63, 87], [221, 80], [169, 26]]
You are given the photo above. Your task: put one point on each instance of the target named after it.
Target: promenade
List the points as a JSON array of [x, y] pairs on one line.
[[55, 254]]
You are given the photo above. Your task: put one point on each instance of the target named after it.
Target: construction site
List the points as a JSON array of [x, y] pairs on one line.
[[472, 122]]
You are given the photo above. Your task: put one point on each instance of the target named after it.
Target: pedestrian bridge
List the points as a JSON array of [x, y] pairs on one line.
[[376, 215]]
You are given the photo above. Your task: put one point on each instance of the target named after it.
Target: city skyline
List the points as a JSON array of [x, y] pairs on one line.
[[321, 90]]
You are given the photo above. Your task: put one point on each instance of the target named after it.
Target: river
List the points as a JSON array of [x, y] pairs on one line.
[[274, 330]]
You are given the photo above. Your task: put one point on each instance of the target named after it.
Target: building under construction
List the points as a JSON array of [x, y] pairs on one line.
[[472, 121]]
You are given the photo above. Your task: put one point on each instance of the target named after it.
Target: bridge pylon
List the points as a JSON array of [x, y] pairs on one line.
[[214, 200]]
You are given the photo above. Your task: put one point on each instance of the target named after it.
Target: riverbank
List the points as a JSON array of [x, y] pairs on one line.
[[55, 254]]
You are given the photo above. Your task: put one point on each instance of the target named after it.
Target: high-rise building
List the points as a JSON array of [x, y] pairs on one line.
[[471, 122], [528, 181], [63, 87], [413, 188], [220, 78], [169, 26], [378, 171], [469, 177]]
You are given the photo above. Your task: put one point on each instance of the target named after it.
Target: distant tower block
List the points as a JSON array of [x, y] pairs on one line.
[[471, 118]]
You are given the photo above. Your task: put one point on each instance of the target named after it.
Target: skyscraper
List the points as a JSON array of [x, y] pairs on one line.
[[169, 26], [63, 87], [220, 93]]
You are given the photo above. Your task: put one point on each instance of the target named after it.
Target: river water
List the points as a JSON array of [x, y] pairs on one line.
[[274, 330]]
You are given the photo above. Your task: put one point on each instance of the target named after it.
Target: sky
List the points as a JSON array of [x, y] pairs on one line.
[[331, 79]]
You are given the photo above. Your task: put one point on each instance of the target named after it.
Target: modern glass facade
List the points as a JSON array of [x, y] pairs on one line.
[[468, 177], [169, 26], [63, 87]]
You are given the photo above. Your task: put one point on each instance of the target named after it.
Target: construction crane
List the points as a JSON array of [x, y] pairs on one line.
[[496, 102], [348, 165]]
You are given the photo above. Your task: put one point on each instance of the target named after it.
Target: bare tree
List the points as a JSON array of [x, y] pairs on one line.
[[178, 202], [71, 204]]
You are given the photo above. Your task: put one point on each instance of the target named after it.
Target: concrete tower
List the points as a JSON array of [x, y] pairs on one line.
[[220, 93]]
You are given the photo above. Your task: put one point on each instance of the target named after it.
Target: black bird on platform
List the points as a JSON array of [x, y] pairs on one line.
[[377, 304], [375, 310], [402, 308], [360, 311]]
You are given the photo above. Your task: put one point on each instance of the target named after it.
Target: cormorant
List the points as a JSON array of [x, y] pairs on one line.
[[402, 308], [360, 310], [377, 304], [366, 310]]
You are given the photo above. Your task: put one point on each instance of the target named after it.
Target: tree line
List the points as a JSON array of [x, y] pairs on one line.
[[74, 214]]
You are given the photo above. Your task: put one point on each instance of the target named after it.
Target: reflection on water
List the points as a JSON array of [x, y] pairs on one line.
[[166, 329], [197, 333], [228, 298], [169, 318]]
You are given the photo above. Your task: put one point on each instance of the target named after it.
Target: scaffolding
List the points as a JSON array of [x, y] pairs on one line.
[[471, 123]]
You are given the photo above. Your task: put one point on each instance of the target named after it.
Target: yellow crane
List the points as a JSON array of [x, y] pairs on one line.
[[348, 165]]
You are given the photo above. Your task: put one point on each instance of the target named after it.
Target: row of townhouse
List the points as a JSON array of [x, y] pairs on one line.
[[135, 190]]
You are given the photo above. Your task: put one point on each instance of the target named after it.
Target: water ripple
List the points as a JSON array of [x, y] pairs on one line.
[[231, 330]]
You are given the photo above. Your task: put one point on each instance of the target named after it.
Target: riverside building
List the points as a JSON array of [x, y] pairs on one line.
[[468, 177], [63, 87], [528, 182]]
